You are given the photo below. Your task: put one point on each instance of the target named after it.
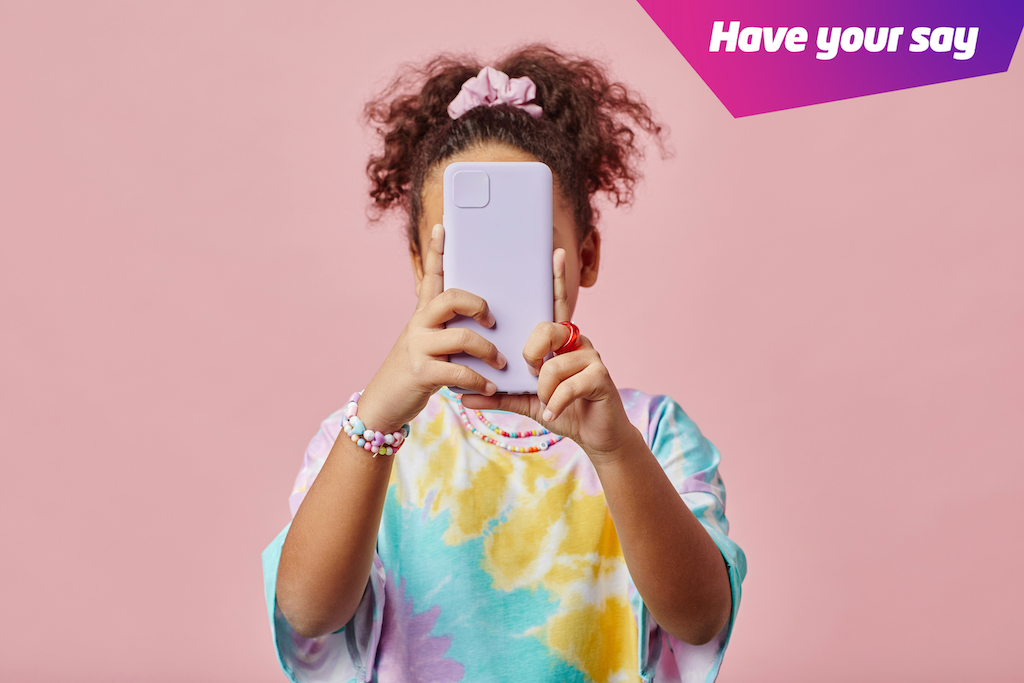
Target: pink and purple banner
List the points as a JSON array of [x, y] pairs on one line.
[[759, 56]]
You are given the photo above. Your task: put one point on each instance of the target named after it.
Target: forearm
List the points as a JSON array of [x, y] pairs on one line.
[[328, 553], [676, 566]]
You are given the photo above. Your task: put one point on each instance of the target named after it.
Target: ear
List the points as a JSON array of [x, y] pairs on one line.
[[590, 258], [417, 266]]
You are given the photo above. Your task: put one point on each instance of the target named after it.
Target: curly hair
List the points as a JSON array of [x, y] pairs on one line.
[[586, 134]]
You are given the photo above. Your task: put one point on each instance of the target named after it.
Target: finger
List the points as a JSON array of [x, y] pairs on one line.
[[542, 342], [586, 384], [561, 369], [453, 302], [561, 297], [432, 283], [463, 340], [522, 404], [442, 373]]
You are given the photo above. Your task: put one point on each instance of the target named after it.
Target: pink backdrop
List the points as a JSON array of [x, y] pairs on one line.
[[838, 292]]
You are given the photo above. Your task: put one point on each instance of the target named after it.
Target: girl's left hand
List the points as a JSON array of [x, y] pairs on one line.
[[576, 396]]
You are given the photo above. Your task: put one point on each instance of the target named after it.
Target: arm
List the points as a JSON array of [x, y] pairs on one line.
[[328, 552], [676, 566]]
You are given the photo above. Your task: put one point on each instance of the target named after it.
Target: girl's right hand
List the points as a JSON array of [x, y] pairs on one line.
[[418, 363]]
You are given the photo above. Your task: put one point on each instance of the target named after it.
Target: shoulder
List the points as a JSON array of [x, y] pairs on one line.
[[670, 433], [655, 414]]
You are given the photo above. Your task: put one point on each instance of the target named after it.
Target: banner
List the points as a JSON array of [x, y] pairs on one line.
[[760, 56]]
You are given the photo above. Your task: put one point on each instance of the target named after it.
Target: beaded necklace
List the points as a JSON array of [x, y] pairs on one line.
[[542, 446], [513, 435]]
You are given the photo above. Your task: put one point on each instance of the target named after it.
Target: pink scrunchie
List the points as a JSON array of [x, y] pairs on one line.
[[491, 87]]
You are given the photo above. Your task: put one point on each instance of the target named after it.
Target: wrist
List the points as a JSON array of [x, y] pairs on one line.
[[376, 411], [368, 431], [629, 444], [372, 416]]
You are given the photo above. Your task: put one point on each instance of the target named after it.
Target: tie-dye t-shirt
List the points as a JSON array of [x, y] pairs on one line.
[[501, 566]]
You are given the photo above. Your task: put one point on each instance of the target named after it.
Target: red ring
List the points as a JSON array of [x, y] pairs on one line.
[[573, 342]]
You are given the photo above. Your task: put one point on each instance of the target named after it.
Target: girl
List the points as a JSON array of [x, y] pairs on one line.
[[575, 535]]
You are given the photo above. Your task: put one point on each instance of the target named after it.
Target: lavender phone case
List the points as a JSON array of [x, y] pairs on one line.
[[497, 221]]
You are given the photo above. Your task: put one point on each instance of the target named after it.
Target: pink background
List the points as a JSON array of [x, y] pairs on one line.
[[834, 294]]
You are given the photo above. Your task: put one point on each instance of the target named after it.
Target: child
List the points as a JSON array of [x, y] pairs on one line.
[[575, 535]]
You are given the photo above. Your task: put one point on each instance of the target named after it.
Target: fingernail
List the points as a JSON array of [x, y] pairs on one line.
[[534, 371], [548, 415], [490, 388], [502, 361], [435, 231]]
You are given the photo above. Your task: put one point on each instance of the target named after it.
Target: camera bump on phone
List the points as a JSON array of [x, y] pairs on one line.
[[471, 189]]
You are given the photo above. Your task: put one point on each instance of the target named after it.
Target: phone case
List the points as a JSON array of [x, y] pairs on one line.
[[497, 220]]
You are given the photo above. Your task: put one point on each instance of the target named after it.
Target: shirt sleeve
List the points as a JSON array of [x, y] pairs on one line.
[[691, 463], [347, 654]]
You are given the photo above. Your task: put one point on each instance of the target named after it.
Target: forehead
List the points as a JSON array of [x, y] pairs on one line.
[[433, 197]]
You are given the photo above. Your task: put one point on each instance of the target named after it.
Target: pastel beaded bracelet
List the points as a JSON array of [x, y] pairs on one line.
[[377, 443]]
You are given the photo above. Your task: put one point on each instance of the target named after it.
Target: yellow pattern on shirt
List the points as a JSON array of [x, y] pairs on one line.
[[540, 530]]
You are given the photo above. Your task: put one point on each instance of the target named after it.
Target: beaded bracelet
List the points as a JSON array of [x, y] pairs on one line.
[[377, 443]]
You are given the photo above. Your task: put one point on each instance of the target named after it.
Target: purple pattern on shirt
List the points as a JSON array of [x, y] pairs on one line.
[[407, 652]]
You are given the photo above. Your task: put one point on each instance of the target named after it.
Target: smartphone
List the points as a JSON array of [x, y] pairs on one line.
[[497, 245]]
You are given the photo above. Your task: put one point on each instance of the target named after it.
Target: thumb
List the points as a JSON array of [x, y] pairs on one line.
[[432, 283], [561, 294], [523, 404]]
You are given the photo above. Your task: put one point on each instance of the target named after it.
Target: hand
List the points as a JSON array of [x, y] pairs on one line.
[[418, 363], [576, 396]]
